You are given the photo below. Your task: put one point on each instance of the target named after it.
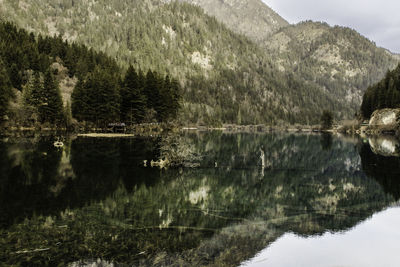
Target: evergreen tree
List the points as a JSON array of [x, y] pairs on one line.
[[176, 92], [5, 91], [384, 94], [133, 102], [164, 100], [97, 98], [80, 101], [326, 119], [35, 93], [51, 107], [366, 106], [168, 100], [106, 98], [151, 90], [15, 77], [99, 95]]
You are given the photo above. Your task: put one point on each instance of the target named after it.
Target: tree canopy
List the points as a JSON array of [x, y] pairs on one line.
[[103, 93], [384, 94]]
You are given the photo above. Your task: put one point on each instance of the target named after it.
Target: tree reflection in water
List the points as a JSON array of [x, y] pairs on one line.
[[97, 201]]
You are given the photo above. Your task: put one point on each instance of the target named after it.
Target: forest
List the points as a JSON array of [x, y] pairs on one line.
[[384, 94], [225, 77], [103, 92]]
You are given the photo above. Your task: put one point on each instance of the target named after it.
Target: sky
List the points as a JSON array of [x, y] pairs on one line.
[[378, 20]]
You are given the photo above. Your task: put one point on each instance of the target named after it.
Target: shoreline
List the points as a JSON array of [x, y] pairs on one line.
[[141, 130]]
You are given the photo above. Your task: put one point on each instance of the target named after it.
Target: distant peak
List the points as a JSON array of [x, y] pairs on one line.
[[252, 18]]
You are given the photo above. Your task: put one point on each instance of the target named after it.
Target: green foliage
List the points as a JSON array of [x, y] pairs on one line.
[[336, 59], [98, 95], [51, 106], [224, 76], [220, 72], [96, 98], [326, 119], [45, 97], [133, 101], [384, 94], [5, 91], [84, 202]]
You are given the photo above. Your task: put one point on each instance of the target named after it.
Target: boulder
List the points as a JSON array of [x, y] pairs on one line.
[[385, 117]]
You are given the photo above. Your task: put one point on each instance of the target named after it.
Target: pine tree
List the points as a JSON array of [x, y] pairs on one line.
[[326, 119], [164, 103], [106, 99], [97, 99], [80, 102], [390, 94], [51, 109], [15, 77], [5, 91], [133, 102], [151, 90], [384, 94], [176, 92], [366, 106], [34, 94]]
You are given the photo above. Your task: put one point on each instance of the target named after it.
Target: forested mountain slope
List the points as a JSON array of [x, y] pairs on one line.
[[45, 81], [384, 94], [226, 77], [338, 59], [251, 18]]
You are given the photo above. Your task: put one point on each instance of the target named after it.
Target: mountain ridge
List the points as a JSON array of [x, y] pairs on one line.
[[294, 48], [253, 18]]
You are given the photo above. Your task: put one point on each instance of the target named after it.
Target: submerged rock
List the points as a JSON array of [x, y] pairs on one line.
[[162, 163]]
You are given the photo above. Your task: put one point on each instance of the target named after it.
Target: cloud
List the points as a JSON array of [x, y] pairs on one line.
[[378, 20]]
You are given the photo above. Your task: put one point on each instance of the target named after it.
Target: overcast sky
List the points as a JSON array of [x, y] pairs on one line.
[[378, 20]]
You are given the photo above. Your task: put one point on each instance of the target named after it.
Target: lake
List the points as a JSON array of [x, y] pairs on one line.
[[274, 199]]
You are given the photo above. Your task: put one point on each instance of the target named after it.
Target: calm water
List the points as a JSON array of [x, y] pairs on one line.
[[319, 201]]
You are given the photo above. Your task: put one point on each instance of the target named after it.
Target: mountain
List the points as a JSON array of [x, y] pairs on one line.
[[211, 61], [227, 77], [338, 60], [47, 81], [252, 18]]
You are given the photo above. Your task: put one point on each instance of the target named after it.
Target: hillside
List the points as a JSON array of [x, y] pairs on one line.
[[339, 60], [210, 61], [251, 18], [384, 94], [94, 90]]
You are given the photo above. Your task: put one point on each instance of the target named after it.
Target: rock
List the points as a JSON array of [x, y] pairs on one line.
[[385, 117], [160, 163]]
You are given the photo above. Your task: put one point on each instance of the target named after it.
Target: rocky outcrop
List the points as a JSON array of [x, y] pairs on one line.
[[385, 117]]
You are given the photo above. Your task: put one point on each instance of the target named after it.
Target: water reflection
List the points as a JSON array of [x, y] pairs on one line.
[[372, 243], [383, 168], [326, 141], [387, 146], [38, 178], [94, 199]]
